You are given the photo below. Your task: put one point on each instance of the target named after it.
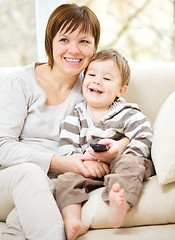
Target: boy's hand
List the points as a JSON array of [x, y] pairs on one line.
[[116, 148], [96, 168]]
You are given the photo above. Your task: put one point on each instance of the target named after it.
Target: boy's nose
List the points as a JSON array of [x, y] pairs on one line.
[[98, 82]]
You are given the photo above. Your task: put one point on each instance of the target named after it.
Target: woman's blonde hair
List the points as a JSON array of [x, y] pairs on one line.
[[69, 17]]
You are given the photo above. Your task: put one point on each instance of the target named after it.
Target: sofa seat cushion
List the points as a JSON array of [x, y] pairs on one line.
[[163, 147], [2, 226], [156, 205], [159, 232]]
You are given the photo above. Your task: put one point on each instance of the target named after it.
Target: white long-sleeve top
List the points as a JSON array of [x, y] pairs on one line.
[[29, 129]]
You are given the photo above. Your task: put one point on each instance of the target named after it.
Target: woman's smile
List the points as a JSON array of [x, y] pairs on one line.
[[72, 60]]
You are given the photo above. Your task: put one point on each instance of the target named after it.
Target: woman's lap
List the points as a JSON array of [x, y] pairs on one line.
[[27, 186]]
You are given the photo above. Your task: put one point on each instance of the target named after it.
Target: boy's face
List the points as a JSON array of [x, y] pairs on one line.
[[102, 84]]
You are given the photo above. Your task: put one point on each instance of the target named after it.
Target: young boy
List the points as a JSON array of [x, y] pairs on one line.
[[104, 115]]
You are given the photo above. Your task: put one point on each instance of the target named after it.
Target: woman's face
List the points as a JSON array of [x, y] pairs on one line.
[[72, 51]]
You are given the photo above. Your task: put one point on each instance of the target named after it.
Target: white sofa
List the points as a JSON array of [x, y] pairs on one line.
[[154, 215]]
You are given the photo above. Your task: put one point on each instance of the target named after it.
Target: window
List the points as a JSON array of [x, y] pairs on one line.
[[141, 30], [18, 32], [22, 25]]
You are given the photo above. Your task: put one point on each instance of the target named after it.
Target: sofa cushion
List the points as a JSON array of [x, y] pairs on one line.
[[156, 205], [2, 227], [158, 232], [163, 148]]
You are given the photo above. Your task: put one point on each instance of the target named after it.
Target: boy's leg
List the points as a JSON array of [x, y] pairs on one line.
[[70, 191], [36, 214], [128, 171], [118, 206], [72, 220], [72, 188]]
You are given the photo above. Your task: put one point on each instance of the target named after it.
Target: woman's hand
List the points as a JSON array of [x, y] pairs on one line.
[[96, 168], [72, 163], [116, 148]]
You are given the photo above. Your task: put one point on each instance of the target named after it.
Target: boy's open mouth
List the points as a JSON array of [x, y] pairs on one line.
[[95, 90]]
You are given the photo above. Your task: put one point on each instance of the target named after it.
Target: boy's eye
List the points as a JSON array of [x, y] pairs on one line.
[[91, 74], [105, 78]]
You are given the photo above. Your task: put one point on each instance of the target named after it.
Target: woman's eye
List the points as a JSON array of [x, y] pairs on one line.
[[84, 41], [63, 40]]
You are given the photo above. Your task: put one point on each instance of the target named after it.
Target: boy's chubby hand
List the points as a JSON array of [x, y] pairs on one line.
[[96, 168], [116, 148]]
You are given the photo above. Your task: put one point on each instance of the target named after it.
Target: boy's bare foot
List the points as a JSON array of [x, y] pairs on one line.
[[74, 229], [118, 207]]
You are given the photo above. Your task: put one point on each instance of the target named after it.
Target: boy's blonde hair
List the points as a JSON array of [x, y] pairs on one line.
[[111, 54]]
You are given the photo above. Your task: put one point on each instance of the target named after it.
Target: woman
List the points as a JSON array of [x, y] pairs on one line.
[[33, 103]]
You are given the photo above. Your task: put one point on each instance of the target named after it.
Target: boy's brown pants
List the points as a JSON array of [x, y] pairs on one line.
[[128, 170]]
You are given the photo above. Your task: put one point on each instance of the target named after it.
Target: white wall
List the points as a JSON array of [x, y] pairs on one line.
[[43, 9]]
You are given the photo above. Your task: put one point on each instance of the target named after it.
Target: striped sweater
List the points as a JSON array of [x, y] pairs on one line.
[[123, 119]]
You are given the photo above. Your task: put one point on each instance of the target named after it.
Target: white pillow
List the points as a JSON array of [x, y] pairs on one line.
[[163, 148], [156, 205]]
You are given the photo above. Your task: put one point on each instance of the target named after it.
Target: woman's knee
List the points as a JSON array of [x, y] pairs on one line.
[[31, 169], [15, 173], [28, 175]]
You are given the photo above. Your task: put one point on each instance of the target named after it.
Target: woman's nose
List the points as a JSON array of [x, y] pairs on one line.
[[73, 48]]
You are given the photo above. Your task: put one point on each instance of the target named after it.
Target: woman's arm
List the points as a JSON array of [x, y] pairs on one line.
[[14, 101], [71, 163]]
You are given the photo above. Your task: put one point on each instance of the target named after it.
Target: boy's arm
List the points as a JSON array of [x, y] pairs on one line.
[[69, 144], [96, 168], [139, 130], [138, 140]]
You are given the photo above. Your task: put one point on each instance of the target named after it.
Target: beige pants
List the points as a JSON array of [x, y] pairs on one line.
[[35, 215], [128, 170]]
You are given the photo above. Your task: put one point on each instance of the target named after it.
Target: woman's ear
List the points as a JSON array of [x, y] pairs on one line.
[[95, 49], [122, 91]]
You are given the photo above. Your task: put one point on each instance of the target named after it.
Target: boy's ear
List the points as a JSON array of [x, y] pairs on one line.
[[122, 91]]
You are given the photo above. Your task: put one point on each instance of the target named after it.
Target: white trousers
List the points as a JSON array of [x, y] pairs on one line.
[[36, 215]]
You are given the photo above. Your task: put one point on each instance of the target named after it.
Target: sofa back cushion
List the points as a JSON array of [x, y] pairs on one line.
[[150, 85]]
